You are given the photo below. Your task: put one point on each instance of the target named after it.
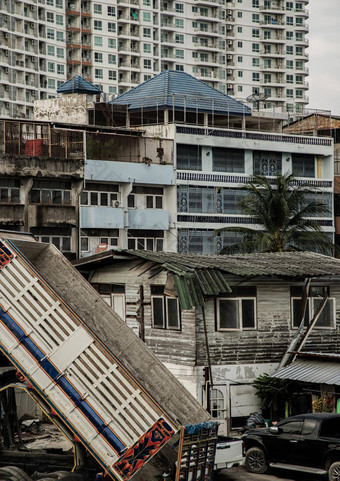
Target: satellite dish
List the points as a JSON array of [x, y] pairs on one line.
[[257, 98]]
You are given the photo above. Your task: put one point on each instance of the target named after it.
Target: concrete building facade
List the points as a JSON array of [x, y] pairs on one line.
[[243, 48]]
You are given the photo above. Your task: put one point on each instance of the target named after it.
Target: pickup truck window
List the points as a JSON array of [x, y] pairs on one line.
[[308, 426], [291, 427], [330, 427]]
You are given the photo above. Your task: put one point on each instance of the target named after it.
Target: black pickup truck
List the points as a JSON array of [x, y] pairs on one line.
[[308, 442]]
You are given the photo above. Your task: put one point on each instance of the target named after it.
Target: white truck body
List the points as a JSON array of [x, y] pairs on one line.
[[229, 453]]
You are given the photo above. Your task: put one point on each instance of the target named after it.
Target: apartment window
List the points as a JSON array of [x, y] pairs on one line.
[[50, 192], [299, 79], [146, 197], [290, 93], [267, 91], [267, 163], [9, 191], [98, 25], [256, 77], [289, 35], [289, 20], [240, 44], [299, 93], [98, 73], [51, 67], [204, 57], [112, 76], [314, 300], [147, 16], [50, 33], [255, 3], [111, 43], [289, 50], [299, 36], [111, 27], [51, 83], [255, 18], [299, 21], [97, 9], [62, 243], [147, 32], [99, 196], [267, 78], [50, 17], [98, 41], [60, 69], [112, 59], [111, 11], [240, 88], [165, 310], [147, 63], [237, 312], [179, 54], [267, 49], [98, 57], [299, 7], [239, 29], [189, 157], [289, 79], [145, 240], [179, 7], [299, 64], [147, 3], [256, 33], [240, 73], [59, 20], [60, 52], [50, 50], [179, 23], [255, 47], [228, 160], [289, 6], [179, 38], [60, 36], [240, 59], [59, 3], [289, 64], [147, 47], [299, 51], [303, 165], [267, 63]]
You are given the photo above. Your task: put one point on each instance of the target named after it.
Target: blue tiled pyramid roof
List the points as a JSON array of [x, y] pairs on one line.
[[78, 85], [179, 90]]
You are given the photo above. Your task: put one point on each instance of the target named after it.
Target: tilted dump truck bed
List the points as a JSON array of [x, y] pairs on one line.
[[91, 370]]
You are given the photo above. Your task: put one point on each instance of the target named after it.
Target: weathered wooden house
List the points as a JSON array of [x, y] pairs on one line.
[[218, 322]]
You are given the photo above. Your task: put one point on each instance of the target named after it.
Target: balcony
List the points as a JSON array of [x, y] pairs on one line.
[[151, 219], [52, 215], [101, 217]]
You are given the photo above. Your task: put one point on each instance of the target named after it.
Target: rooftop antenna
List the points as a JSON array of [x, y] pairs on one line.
[[257, 98]]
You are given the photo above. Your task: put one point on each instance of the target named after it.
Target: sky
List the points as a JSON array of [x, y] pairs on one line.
[[324, 55]]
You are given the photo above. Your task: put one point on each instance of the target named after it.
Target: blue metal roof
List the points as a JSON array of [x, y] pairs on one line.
[[179, 90], [78, 85]]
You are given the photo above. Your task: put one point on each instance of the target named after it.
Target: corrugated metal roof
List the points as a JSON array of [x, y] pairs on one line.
[[179, 90], [318, 372], [78, 85]]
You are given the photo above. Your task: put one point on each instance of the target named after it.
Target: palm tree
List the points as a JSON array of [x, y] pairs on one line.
[[284, 217]]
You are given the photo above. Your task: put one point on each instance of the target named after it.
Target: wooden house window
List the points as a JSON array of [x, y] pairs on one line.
[[237, 311], [315, 298], [165, 310]]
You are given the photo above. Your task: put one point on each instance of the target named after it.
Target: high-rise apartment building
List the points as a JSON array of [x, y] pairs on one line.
[[241, 47]]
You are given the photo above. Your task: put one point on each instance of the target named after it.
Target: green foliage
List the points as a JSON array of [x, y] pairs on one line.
[[284, 217], [275, 393]]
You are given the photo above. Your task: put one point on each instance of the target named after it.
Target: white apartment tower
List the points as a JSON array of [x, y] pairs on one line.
[[241, 47]]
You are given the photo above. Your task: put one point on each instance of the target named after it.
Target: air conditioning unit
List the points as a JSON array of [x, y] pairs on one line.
[[33, 59], [229, 71], [32, 8], [5, 18], [32, 25], [6, 70], [7, 105], [229, 86], [116, 203], [32, 42], [230, 42], [33, 93], [7, 87], [6, 53], [229, 57], [229, 27]]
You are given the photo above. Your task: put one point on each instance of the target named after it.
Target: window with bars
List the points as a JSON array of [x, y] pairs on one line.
[[267, 163], [189, 157], [228, 160]]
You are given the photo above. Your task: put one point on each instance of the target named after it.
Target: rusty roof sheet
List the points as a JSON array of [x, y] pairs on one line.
[[314, 371]]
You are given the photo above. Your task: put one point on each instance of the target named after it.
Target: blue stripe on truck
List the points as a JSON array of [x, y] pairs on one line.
[[62, 382]]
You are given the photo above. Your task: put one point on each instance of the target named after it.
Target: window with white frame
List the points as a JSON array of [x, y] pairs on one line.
[[237, 311], [165, 310], [60, 237], [149, 240], [111, 27], [114, 296], [97, 9], [111, 11], [50, 17], [90, 239], [145, 197], [101, 195], [59, 20], [315, 298]]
